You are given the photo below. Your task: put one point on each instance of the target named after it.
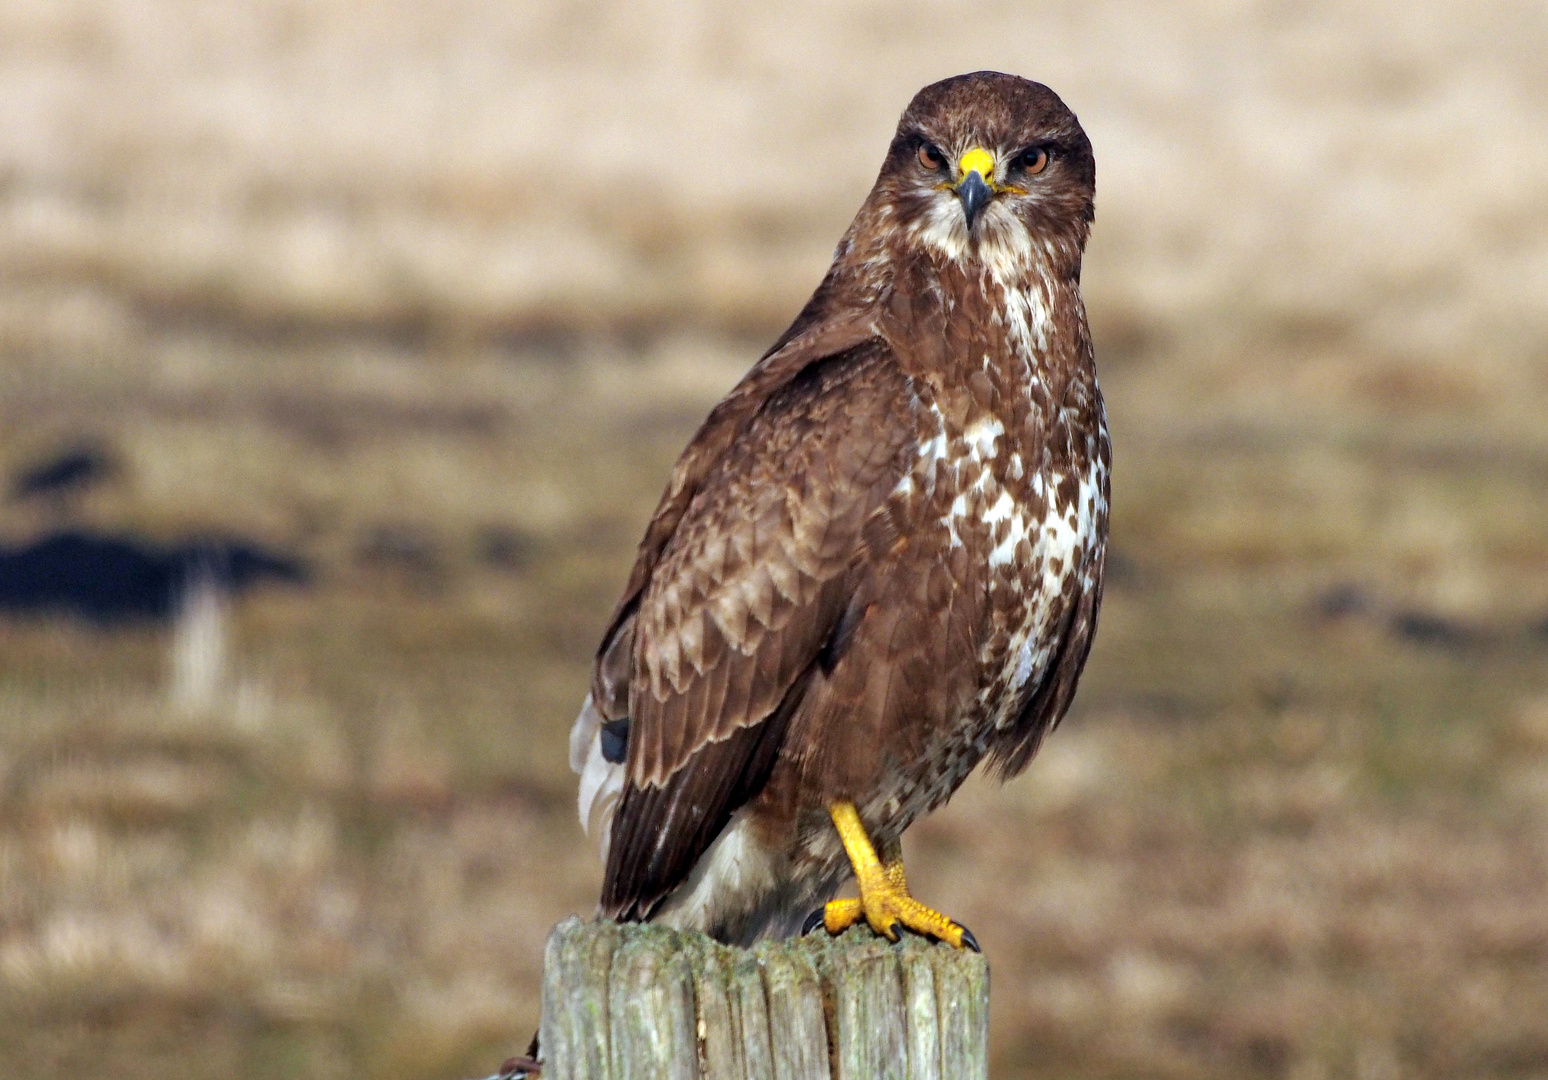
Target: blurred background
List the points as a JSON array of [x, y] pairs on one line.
[[345, 346]]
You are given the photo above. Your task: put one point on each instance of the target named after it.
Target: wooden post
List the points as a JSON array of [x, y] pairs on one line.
[[646, 1003]]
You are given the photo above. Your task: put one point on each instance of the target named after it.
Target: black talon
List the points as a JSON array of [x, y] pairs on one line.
[[969, 941], [813, 921]]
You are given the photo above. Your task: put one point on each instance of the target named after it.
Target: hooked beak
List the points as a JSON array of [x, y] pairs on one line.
[[975, 195], [976, 188]]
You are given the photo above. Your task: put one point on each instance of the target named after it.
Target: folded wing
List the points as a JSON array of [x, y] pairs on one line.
[[734, 605]]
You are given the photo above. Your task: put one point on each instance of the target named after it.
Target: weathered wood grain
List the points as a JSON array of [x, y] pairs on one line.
[[631, 1002], [651, 1009], [797, 1019]]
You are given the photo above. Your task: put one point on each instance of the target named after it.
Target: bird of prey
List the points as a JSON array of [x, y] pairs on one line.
[[879, 561]]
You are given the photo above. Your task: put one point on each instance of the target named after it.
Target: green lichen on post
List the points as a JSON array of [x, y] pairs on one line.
[[624, 1002], [796, 1017]]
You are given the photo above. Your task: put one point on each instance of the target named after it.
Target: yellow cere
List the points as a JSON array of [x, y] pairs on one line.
[[977, 160]]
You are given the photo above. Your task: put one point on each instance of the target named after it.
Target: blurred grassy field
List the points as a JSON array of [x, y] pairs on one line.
[[431, 295]]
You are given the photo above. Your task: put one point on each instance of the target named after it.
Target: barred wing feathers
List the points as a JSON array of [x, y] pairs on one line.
[[738, 603]]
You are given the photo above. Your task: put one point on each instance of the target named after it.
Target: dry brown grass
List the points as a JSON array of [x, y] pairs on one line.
[[417, 291]]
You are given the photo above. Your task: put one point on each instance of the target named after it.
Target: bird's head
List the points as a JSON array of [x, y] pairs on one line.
[[991, 167]]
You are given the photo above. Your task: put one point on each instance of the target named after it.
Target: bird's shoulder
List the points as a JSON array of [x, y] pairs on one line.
[[748, 562], [807, 342]]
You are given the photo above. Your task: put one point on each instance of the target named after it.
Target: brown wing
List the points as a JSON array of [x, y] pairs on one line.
[[809, 340], [738, 604]]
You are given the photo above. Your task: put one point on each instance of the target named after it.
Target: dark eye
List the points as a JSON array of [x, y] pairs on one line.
[[1033, 161], [931, 158]]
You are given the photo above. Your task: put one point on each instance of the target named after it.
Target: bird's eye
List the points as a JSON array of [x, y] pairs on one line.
[[1033, 161], [931, 158]]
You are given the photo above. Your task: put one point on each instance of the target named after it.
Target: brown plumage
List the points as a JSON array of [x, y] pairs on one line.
[[879, 561]]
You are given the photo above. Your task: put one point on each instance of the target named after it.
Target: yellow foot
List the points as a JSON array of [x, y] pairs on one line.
[[884, 901]]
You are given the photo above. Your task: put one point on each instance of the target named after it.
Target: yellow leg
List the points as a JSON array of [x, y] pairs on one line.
[[884, 901]]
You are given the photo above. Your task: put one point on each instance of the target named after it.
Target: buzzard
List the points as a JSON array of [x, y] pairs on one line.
[[879, 561]]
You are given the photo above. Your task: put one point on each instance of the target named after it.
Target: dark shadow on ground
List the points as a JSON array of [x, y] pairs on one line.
[[66, 473], [109, 579]]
